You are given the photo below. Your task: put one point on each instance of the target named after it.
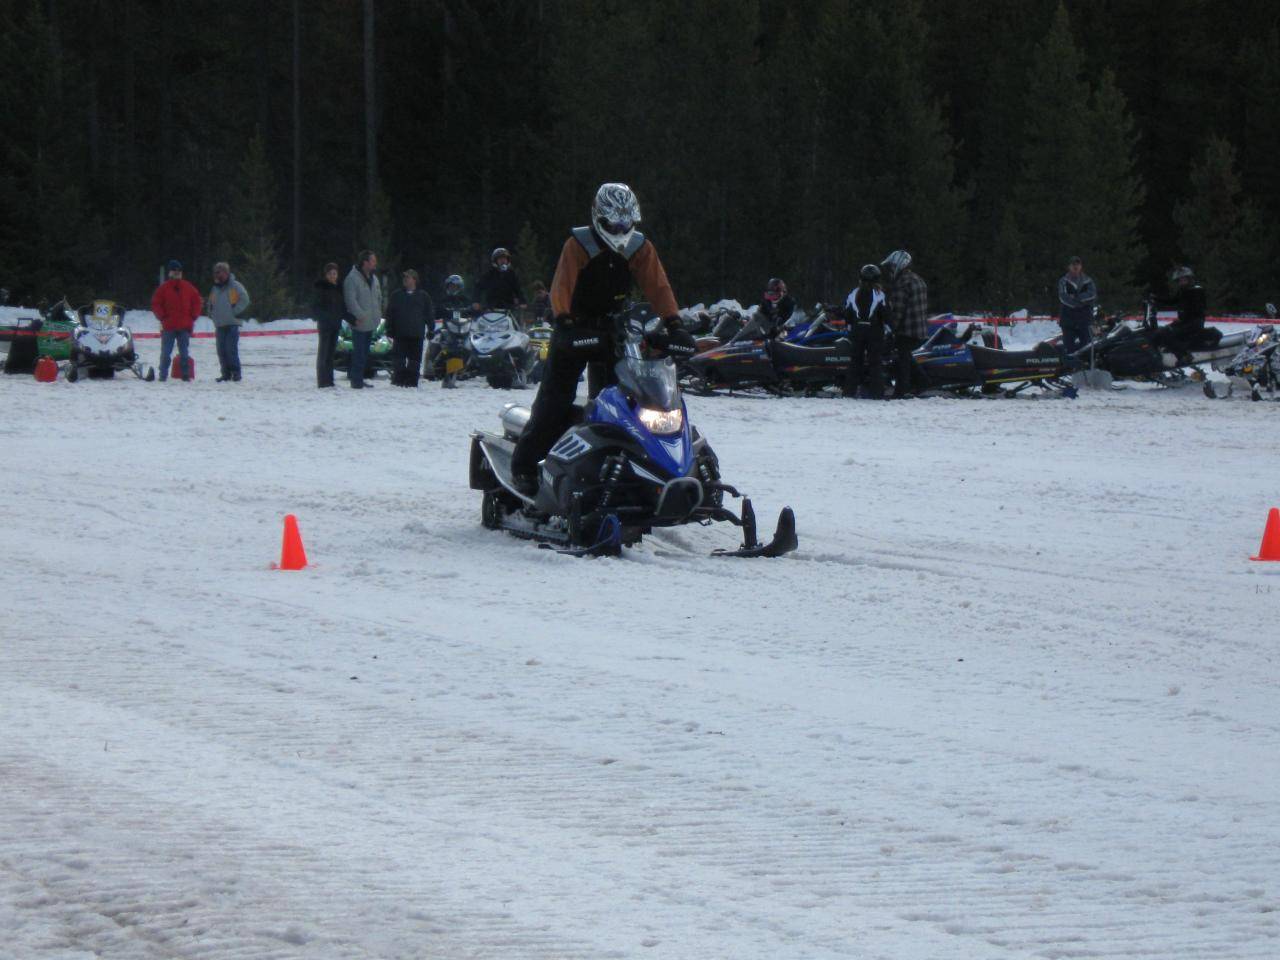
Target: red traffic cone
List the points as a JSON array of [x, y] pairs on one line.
[[46, 370], [292, 556], [1270, 549], [175, 368]]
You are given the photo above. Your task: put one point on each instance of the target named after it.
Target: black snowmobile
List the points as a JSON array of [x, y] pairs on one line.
[[631, 462], [755, 356], [1128, 350], [950, 361]]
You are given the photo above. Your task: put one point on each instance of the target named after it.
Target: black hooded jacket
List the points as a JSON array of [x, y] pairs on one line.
[[499, 289]]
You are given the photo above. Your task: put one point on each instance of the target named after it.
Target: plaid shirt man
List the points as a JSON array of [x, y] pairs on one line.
[[909, 306]]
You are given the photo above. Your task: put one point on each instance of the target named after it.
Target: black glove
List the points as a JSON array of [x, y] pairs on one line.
[[673, 341]]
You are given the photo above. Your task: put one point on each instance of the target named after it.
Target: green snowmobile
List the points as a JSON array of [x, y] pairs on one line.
[[379, 358]]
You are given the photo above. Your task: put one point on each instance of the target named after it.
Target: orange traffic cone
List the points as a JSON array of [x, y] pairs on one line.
[[1270, 549], [46, 370], [292, 556]]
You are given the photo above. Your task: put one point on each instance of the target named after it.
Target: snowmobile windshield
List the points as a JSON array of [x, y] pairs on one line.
[[102, 315], [651, 383], [494, 322]]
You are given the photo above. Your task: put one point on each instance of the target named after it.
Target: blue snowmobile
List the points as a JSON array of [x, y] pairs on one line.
[[631, 462]]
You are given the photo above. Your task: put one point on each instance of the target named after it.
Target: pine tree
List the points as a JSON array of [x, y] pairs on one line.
[[1111, 193], [887, 159], [1078, 192], [531, 261], [1222, 232], [249, 237], [51, 243], [1056, 136], [1006, 284]]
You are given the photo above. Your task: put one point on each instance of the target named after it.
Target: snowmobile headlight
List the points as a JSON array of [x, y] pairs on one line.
[[662, 421]]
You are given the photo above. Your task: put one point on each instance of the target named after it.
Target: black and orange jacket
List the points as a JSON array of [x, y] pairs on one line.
[[592, 280]]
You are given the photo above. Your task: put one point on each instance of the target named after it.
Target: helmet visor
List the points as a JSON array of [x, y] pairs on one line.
[[616, 226]]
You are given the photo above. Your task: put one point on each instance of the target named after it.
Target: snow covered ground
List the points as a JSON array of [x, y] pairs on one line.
[[1014, 697]]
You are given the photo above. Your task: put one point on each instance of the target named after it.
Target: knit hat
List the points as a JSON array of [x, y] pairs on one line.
[[174, 265]]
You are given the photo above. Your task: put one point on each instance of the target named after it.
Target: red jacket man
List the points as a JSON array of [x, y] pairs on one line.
[[176, 303]]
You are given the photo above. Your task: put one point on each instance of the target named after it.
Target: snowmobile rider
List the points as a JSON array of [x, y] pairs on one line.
[[776, 306], [907, 297], [865, 310], [499, 287], [597, 268], [455, 298], [1186, 332]]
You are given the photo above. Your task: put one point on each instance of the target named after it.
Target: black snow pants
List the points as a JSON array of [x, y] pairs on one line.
[[406, 361], [866, 370], [572, 349], [907, 379], [326, 347]]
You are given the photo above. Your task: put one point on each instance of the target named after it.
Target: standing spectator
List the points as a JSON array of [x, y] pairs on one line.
[[228, 300], [411, 318], [328, 308], [908, 300], [864, 310], [1077, 294], [499, 287], [541, 302], [362, 296], [176, 304]]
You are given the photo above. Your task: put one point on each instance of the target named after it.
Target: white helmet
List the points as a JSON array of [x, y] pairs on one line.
[[895, 263], [614, 214]]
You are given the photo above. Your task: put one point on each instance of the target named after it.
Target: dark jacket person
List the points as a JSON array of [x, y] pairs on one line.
[[411, 318], [327, 309]]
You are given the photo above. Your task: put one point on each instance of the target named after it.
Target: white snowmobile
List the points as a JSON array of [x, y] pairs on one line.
[[500, 350], [102, 346]]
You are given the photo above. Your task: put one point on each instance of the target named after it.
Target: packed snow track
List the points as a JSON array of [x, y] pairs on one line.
[[1013, 697]]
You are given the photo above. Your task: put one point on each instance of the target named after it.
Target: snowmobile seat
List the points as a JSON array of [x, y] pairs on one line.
[[986, 358], [790, 353], [1207, 339]]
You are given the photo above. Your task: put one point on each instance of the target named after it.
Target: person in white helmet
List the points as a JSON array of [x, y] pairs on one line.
[[598, 266]]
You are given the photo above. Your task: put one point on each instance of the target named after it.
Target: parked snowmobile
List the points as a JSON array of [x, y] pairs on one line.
[[540, 344], [826, 325], [101, 346], [449, 349], [57, 329], [952, 362], [631, 463], [381, 353], [1128, 351], [500, 350], [757, 357], [1257, 365]]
